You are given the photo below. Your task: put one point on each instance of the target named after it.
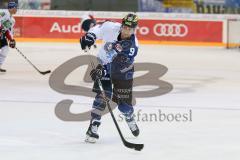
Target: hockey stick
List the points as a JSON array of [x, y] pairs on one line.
[[41, 72], [137, 147]]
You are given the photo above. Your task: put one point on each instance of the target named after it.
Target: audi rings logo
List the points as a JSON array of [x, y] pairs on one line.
[[170, 30]]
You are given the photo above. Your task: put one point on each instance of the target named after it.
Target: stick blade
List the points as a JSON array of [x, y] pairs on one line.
[[45, 72], [137, 147]]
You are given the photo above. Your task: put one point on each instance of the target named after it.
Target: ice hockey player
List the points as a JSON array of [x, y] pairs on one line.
[[6, 31], [115, 70]]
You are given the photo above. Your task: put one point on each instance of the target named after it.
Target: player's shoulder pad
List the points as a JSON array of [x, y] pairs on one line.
[[134, 40]]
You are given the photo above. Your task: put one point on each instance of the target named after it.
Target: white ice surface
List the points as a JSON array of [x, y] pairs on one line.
[[205, 79]]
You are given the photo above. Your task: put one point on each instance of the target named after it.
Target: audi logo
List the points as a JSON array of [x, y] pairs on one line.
[[170, 30]]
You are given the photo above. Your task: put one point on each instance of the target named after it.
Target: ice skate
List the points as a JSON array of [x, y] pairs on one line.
[[92, 135]]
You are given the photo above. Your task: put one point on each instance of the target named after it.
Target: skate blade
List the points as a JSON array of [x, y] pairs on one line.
[[90, 139]]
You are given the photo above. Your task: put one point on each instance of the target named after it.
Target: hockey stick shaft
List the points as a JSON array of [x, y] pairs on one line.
[[137, 147], [41, 72]]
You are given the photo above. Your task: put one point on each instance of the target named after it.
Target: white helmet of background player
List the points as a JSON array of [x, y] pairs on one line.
[[88, 23], [129, 24]]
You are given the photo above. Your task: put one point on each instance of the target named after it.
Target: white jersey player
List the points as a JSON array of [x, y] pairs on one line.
[[115, 69], [7, 23]]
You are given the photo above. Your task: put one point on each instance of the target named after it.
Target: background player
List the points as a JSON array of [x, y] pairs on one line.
[[6, 31]]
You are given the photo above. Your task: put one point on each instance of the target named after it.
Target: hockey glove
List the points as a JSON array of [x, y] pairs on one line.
[[87, 40], [97, 73], [12, 43]]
